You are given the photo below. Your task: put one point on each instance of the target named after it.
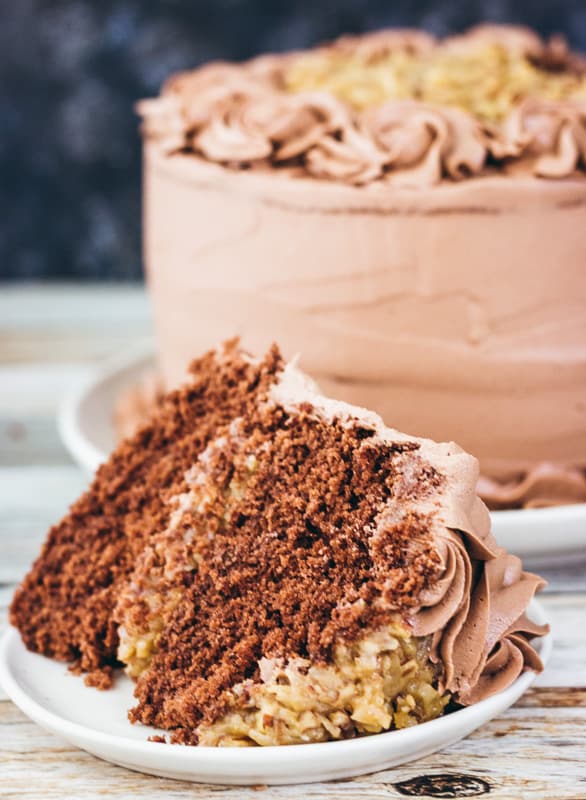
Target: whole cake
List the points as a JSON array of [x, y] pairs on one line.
[[276, 567], [410, 215]]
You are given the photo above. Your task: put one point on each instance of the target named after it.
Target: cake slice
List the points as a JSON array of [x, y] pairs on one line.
[[322, 576], [64, 606], [275, 567]]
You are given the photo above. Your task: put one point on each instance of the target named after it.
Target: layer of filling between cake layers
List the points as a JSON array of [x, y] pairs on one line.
[[307, 588]]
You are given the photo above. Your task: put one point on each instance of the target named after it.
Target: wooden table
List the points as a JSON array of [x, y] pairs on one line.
[[50, 338]]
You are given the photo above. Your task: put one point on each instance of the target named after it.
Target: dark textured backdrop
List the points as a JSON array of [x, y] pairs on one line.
[[70, 71]]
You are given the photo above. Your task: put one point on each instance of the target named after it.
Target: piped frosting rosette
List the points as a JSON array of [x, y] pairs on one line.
[[405, 143], [541, 487], [475, 609], [550, 137], [243, 117], [476, 617]]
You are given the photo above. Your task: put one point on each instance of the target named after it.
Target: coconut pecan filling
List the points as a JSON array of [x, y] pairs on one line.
[[384, 680], [488, 81]]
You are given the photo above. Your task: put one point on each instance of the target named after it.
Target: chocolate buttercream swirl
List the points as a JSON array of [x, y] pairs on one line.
[[257, 126], [543, 486], [422, 143], [550, 136], [408, 143], [243, 115], [475, 614]]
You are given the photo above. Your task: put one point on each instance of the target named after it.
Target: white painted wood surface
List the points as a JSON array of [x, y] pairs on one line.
[[50, 337]]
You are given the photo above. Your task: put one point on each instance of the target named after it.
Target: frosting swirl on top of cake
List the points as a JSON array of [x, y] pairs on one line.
[[391, 106], [543, 486]]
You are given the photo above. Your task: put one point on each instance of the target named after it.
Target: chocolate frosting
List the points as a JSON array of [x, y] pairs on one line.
[[240, 116], [544, 485], [476, 616]]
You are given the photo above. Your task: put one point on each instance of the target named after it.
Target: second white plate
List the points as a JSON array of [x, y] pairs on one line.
[[86, 427]]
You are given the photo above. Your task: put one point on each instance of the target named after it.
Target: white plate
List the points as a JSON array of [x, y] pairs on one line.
[[85, 423], [96, 721]]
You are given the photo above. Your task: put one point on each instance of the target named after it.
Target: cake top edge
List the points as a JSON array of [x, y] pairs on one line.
[[396, 106]]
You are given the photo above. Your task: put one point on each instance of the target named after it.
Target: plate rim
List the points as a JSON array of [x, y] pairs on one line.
[[80, 448], [252, 756]]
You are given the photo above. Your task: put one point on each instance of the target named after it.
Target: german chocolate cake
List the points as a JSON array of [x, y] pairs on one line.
[[274, 567], [407, 212]]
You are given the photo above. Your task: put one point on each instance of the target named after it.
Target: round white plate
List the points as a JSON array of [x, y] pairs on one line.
[[96, 721], [85, 423]]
